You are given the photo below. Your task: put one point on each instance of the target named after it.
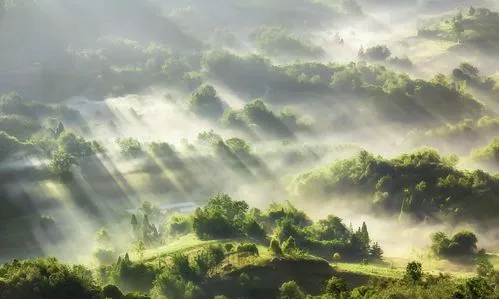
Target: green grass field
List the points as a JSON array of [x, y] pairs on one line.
[[389, 268]]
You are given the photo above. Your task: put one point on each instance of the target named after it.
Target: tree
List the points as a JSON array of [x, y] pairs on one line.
[[463, 243], [134, 223], [130, 147], [74, 145], [336, 287], [413, 272], [289, 246], [112, 292], [365, 234], [376, 252], [58, 130], [206, 102], [378, 53], [171, 286], [485, 268], [61, 163], [275, 248], [139, 248], [46, 278], [291, 290], [457, 27], [471, 11]]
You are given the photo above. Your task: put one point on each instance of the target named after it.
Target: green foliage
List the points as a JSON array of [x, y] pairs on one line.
[[181, 267], [46, 278], [179, 225], [74, 145], [10, 145], [455, 194], [376, 252], [130, 276], [471, 76], [206, 102], [112, 292], [487, 154], [291, 290], [461, 244], [275, 247], [485, 269], [395, 97], [130, 147], [337, 287], [61, 163], [221, 217], [476, 288], [289, 246], [376, 53], [19, 127], [413, 272], [208, 258], [277, 41], [171, 286]]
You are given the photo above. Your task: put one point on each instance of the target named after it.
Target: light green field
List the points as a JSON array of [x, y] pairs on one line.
[[183, 244], [390, 268]]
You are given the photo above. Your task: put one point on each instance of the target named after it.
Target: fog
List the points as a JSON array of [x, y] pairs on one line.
[[62, 54]]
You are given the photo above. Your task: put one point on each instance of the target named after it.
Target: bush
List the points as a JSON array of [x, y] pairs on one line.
[[133, 276], [461, 244], [413, 272], [130, 147], [206, 102], [336, 287], [61, 163], [112, 292], [289, 246], [74, 145], [179, 225], [228, 247], [291, 290], [275, 248], [208, 258], [46, 278], [169, 285], [379, 52], [278, 41]]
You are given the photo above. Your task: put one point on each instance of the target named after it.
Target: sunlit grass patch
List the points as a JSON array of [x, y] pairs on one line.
[[182, 244], [370, 269]]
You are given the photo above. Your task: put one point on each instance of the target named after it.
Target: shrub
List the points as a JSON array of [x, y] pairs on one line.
[[179, 225], [461, 244], [130, 147], [289, 246], [336, 287], [291, 290], [275, 248], [112, 292], [413, 272]]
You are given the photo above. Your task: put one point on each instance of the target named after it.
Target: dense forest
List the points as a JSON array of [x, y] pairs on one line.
[[249, 149]]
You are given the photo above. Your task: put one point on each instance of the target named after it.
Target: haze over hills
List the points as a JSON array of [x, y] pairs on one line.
[[247, 149]]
